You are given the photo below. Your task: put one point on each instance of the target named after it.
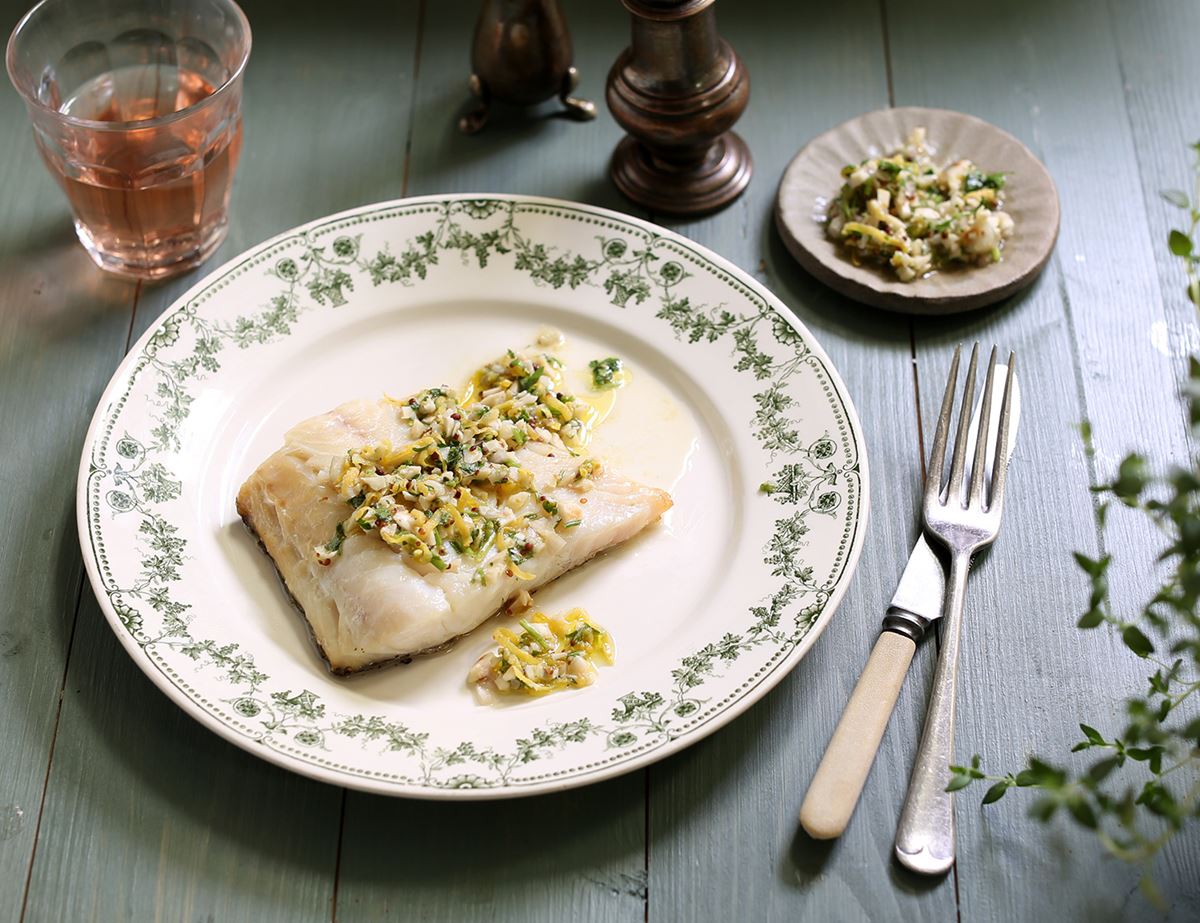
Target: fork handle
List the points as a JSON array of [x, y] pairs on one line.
[[840, 777], [925, 834]]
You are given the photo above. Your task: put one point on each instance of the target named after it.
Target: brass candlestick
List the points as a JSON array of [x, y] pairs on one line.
[[521, 54], [677, 90]]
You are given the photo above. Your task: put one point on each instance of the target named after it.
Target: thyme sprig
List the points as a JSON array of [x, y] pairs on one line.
[[1134, 817]]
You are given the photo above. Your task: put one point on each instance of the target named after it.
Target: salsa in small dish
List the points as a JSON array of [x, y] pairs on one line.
[[904, 211]]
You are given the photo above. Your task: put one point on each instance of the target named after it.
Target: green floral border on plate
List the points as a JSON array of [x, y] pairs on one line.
[[318, 268]]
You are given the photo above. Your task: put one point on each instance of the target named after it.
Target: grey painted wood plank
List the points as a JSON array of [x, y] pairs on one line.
[[149, 815], [420, 860], [1159, 73], [1083, 336], [462, 864], [62, 329], [725, 840]]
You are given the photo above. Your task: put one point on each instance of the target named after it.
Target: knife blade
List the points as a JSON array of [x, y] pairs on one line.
[[839, 779], [922, 586]]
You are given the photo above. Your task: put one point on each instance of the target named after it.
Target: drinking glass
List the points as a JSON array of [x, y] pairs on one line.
[[136, 109]]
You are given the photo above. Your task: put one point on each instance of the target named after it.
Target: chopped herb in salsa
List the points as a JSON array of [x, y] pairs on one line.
[[605, 373]]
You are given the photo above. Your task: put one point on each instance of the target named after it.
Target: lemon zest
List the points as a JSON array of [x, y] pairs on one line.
[[856, 227]]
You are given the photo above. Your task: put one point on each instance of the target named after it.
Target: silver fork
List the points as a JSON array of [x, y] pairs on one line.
[[962, 524]]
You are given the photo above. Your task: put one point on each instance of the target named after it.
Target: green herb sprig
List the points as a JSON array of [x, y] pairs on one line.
[[605, 373], [1134, 816]]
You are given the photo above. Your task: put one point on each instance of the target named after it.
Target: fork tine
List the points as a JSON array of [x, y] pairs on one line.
[[979, 464], [959, 463], [1000, 463], [937, 455]]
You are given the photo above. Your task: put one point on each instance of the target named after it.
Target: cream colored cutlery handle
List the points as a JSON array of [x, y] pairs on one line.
[[839, 779]]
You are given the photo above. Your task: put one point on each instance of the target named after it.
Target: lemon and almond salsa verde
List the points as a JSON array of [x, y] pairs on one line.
[[458, 492], [548, 654], [458, 489], [906, 212]]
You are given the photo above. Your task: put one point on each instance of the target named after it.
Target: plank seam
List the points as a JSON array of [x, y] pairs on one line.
[[887, 52], [62, 687], [1137, 159], [412, 102], [957, 902], [912, 348], [1080, 395], [337, 858], [37, 829], [646, 845]]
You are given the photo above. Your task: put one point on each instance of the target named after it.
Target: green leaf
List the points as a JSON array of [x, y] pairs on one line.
[[1041, 774], [1158, 799], [604, 372], [1091, 734], [1180, 243], [1136, 641], [996, 792], [1132, 477], [1152, 894], [1090, 619], [1082, 812], [1176, 197], [958, 781], [1049, 774], [1092, 566], [1102, 769], [1043, 809]]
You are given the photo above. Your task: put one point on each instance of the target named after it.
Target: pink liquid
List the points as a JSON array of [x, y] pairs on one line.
[[149, 201]]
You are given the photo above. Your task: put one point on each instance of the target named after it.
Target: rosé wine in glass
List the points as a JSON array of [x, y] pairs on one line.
[[136, 110]]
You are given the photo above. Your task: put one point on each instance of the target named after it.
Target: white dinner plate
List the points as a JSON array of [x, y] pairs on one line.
[[709, 609]]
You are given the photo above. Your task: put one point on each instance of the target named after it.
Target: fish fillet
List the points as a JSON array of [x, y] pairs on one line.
[[371, 603]]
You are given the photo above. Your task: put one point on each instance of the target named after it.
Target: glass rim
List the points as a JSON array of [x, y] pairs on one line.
[[136, 125]]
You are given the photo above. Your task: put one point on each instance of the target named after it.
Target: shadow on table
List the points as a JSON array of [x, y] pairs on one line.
[[135, 764], [138, 766], [444, 158], [696, 792], [53, 286], [821, 307], [809, 858], [530, 852]]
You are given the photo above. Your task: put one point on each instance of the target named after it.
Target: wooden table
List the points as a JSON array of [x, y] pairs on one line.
[[114, 805]]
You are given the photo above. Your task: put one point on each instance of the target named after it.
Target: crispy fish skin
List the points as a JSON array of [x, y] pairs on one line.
[[370, 606]]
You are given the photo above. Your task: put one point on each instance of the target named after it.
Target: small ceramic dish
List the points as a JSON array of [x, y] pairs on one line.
[[813, 178]]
